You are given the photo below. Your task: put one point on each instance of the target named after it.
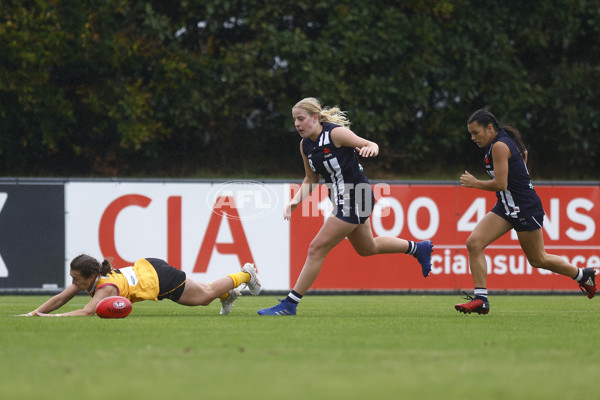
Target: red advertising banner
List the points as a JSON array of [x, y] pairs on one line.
[[446, 214]]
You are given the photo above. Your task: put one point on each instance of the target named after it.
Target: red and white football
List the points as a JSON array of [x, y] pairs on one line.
[[114, 307]]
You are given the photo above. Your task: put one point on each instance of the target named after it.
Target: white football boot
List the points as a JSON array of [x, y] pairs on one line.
[[227, 304], [254, 285]]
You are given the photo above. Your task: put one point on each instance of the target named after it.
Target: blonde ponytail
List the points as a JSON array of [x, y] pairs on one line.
[[326, 114]]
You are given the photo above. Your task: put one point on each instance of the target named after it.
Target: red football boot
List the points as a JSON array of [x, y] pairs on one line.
[[474, 305], [587, 284]]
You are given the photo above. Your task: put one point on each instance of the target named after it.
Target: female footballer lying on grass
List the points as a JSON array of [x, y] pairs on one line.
[[147, 279]]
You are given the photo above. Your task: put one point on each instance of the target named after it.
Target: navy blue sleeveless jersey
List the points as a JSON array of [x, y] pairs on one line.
[[349, 188], [519, 200]]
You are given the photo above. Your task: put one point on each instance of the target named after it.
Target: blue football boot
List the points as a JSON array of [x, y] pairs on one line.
[[284, 307], [423, 255]]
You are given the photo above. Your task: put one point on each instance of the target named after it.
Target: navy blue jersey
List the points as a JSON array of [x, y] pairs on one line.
[[519, 199], [339, 167]]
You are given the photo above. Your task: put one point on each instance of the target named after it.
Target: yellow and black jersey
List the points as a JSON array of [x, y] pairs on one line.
[[138, 282]]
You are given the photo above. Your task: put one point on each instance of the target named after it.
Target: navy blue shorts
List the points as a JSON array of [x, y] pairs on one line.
[[522, 222], [357, 206], [171, 281]]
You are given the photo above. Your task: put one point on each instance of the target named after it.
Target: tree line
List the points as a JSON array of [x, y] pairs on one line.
[[202, 88]]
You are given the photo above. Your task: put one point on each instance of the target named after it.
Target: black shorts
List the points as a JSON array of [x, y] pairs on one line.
[[357, 207], [171, 281], [522, 222]]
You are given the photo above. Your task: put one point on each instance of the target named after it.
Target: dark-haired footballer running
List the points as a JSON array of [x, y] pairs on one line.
[[518, 208], [329, 149], [146, 279]]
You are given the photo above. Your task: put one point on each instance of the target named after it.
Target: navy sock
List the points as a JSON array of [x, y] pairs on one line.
[[412, 248], [294, 297]]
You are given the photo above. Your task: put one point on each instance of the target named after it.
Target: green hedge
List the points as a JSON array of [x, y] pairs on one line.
[[115, 87]]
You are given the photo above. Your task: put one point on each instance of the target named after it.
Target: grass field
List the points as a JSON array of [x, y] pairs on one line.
[[337, 347]]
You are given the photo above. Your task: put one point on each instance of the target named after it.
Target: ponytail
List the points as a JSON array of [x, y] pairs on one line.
[[105, 268], [516, 136], [332, 115]]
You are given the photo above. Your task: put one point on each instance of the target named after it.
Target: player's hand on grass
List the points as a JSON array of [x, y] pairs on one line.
[[29, 314], [48, 315]]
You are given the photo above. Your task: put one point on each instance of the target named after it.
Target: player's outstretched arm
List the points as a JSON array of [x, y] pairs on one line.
[[310, 182], [90, 308], [55, 302]]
